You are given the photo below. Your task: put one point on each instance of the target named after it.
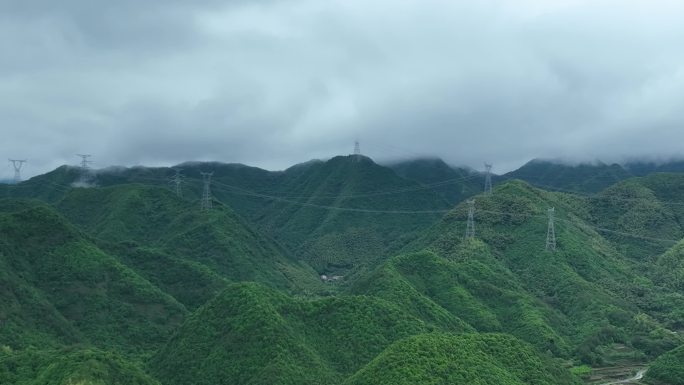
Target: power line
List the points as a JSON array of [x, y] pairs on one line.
[[240, 191], [598, 196], [374, 193], [248, 193], [601, 229], [481, 210], [62, 188], [581, 224], [231, 190]]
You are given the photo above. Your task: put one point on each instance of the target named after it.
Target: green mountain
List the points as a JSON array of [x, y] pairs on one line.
[[147, 226], [339, 216], [48, 187], [69, 366], [342, 215], [475, 289], [63, 288], [250, 334], [668, 369], [586, 177], [644, 168], [487, 359], [453, 183], [578, 300], [114, 278], [649, 209]]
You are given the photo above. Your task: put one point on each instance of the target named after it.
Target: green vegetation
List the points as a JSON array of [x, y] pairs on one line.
[[581, 371], [487, 359], [585, 296], [69, 367], [453, 184], [202, 251], [586, 177], [314, 218], [73, 291], [668, 369], [124, 282], [483, 295], [253, 335]]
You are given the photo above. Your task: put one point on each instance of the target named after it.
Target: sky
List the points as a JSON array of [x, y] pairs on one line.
[[271, 83]]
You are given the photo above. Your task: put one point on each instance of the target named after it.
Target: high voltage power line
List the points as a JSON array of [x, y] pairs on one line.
[[579, 224], [598, 196], [240, 191], [395, 191], [287, 198], [470, 234]]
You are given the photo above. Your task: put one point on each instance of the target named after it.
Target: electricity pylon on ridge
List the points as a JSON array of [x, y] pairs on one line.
[[206, 203], [85, 163], [470, 225], [357, 150], [177, 181], [85, 167], [17, 164], [488, 179], [551, 231]]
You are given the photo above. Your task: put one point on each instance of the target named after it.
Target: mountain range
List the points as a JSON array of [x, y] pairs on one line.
[[340, 272]]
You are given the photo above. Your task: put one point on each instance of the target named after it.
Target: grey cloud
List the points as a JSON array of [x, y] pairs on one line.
[[272, 83]]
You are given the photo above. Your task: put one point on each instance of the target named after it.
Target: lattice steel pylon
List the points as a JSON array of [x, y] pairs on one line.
[[206, 202], [85, 167], [17, 164], [177, 181], [551, 231], [470, 225], [488, 179]]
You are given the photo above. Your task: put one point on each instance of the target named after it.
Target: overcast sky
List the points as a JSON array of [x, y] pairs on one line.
[[273, 83]]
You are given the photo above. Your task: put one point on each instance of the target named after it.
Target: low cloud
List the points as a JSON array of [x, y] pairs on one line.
[[272, 83]]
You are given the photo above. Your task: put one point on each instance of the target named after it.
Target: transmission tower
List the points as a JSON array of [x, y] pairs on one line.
[[85, 163], [206, 195], [551, 231], [17, 164], [488, 179], [357, 150], [85, 166], [177, 181], [470, 226]]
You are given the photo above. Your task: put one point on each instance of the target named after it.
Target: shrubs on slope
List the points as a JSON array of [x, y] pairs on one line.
[[98, 299], [69, 366], [668, 369], [250, 334], [483, 359]]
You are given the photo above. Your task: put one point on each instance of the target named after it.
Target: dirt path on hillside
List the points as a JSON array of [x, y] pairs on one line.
[[632, 380]]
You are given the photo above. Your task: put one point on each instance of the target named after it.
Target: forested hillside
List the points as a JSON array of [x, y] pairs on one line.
[[338, 272], [453, 183]]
